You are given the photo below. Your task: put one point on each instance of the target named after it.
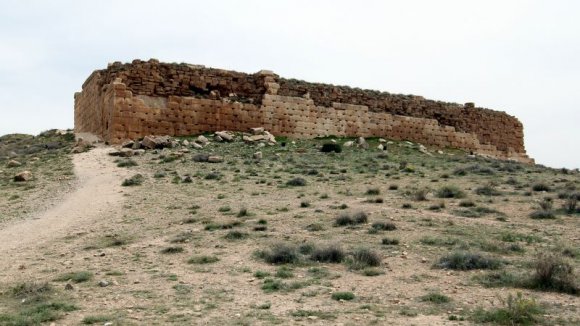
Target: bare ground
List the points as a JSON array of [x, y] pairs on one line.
[[148, 287]]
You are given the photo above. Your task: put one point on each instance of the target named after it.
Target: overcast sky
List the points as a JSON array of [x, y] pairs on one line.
[[521, 57]]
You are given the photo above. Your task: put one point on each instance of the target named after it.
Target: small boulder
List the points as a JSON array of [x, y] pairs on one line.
[[382, 140], [200, 157], [196, 146], [185, 142], [349, 143], [23, 176], [258, 155], [215, 159], [126, 152], [103, 283], [202, 140], [128, 144], [13, 164], [257, 131], [225, 135]]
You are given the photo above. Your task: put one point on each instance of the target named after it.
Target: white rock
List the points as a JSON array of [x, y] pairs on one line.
[[215, 159], [257, 131], [349, 143], [202, 139], [225, 135], [382, 140]]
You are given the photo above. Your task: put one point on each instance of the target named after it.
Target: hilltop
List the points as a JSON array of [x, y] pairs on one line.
[[251, 229]]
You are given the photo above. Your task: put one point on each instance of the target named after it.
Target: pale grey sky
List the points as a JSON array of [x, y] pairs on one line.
[[521, 57]]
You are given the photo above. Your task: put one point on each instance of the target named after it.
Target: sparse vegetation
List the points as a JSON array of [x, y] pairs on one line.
[[75, 277], [280, 253], [329, 254], [450, 192], [517, 310], [355, 218], [463, 260], [135, 180], [344, 296]]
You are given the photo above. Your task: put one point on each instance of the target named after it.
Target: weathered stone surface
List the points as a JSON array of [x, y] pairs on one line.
[[13, 164], [23, 176], [215, 159], [225, 135], [152, 98]]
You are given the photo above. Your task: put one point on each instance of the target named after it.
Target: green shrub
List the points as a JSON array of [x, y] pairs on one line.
[[541, 187], [76, 277], [280, 254], [466, 203], [172, 250], [346, 296], [542, 214], [331, 147], [488, 190], [364, 257], [345, 218], [236, 235], [373, 191], [517, 310], [126, 163], [390, 241], [135, 180], [462, 260], [420, 194], [436, 298], [329, 254], [201, 260], [553, 273], [284, 272], [384, 226], [450, 192], [296, 182]]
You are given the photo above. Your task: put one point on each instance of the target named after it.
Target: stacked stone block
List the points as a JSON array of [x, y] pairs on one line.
[[128, 101]]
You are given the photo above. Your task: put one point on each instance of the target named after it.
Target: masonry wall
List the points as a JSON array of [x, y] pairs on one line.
[[128, 101]]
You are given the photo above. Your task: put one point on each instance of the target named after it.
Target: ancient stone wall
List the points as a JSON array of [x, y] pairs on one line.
[[128, 101]]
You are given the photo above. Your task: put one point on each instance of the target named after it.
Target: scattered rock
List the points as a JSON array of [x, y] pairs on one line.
[[159, 142], [103, 283], [13, 164], [382, 140], [362, 143], [257, 131], [424, 150], [68, 287], [196, 146], [381, 147], [215, 159], [23, 176], [202, 140], [219, 139], [185, 142], [258, 155], [128, 144], [349, 143], [200, 157]]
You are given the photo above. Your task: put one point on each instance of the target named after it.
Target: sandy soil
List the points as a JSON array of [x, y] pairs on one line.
[[97, 193]]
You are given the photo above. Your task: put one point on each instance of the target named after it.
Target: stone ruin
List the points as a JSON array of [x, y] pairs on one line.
[[133, 100]]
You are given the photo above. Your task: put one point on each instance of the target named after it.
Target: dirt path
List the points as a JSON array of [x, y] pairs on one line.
[[97, 194]]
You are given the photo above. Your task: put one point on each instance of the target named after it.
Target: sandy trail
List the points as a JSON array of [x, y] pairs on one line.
[[97, 194]]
